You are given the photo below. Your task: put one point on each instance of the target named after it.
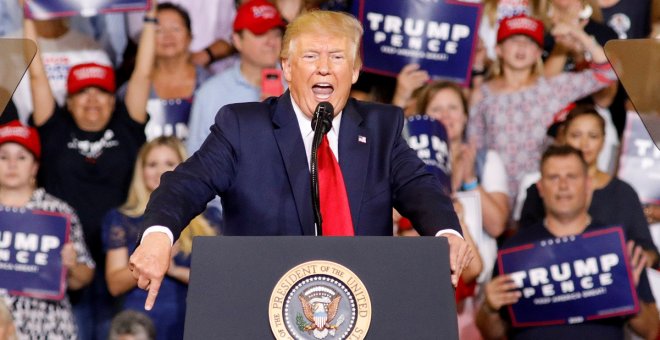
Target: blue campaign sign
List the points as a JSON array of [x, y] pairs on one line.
[[48, 9], [428, 138], [570, 279], [639, 164], [30, 246], [440, 35], [168, 117]]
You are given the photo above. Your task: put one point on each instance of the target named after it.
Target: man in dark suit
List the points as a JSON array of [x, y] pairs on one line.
[[258, 154]]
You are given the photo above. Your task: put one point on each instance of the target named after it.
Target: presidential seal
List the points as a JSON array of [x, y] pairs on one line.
[[319, 300]]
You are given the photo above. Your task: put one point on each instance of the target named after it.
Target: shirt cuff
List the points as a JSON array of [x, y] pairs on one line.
[[168, 232], [439, 233]]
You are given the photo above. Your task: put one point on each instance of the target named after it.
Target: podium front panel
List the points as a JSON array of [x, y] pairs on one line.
[[407, 279]]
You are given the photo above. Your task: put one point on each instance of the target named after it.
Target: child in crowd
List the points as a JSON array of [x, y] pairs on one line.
[[514, 109]]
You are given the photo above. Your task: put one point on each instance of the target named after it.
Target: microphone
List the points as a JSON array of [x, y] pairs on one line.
[[323, 117], [321, 124]]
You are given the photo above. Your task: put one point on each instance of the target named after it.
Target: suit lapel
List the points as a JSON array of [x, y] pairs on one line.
[[292, 150], [353, 157]]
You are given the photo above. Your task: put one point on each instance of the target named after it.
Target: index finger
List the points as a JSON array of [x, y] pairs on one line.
[[154, 286]]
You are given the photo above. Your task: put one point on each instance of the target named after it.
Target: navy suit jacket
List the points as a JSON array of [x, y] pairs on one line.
[[255, 160]]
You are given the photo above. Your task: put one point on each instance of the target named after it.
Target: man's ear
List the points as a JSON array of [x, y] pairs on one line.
[[539, 187], [236, 41], [356, 74], [286, 69], [35, 168]]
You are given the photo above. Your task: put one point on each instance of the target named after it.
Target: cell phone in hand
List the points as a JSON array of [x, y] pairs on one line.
[[271, 82]]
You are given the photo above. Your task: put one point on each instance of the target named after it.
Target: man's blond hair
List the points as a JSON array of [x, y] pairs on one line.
[[319, 22]]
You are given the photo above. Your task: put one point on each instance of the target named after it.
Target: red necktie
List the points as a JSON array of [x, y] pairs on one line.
[[332, 194]]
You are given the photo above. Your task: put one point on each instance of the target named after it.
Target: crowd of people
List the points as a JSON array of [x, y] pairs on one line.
[[111, 103]]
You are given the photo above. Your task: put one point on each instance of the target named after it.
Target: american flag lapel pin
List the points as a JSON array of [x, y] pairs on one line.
[[362, 139]]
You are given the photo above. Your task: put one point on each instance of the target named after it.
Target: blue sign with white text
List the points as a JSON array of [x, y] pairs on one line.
[[30, 245], [428, 138], [570, 279], [48, 9], [439, 35]]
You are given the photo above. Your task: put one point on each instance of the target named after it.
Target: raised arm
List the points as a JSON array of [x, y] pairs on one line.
[[556, 60], [138, 88], [42, 96], [219, 49], [564, 32], [409, 79]]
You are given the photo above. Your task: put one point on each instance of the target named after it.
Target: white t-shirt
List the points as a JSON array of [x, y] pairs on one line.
[[493, 176], [526, 181]]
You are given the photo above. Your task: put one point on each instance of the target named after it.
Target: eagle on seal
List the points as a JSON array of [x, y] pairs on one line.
[[319, 314]]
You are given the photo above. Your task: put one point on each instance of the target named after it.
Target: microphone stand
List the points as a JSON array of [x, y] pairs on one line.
[[321, 125]]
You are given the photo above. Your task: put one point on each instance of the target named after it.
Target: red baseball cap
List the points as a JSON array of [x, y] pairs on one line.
[[258, 16], [521, 24], [90, 74], [15, 132]]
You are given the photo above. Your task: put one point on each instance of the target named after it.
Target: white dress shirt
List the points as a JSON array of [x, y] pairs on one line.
[[305, 124]]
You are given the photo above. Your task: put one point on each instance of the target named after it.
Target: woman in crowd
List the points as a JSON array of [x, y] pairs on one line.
[[122, 226], [164, 76], [514, 109], [614, 200], [472, 169], [38, 318]]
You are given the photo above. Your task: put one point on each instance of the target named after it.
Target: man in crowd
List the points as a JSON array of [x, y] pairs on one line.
[[565, 188], [257, 36], [257, 158]]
